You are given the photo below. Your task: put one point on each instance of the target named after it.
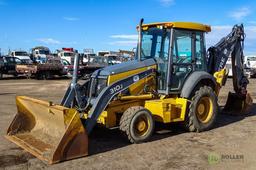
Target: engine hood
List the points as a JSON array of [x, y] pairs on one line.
[[124, 67]]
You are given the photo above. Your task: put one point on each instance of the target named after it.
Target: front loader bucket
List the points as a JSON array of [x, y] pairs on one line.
[[237, 105], [50, 132]]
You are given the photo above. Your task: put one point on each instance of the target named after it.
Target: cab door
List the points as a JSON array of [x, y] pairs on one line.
[[187, 56]]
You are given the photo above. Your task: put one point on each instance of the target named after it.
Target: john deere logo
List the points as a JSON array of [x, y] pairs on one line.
[[213, 158]]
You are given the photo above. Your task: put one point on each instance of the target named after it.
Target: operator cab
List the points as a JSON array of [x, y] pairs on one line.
[[178, 49]]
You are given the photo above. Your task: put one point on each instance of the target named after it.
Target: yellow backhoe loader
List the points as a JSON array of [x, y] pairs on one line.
[[172, 79]]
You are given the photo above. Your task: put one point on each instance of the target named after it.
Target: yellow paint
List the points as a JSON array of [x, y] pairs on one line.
[[204, 109], [138, 97], [48, 131], [220, 77], [142, 125], [109, 117], [138, 87], [115, 77], [167, 110], [182, 25]]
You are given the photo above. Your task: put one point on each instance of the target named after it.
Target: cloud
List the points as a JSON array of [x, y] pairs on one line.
[[124, 43], [71, 18], [124, 40], [49, 41], [124, 36], [252, 22], [240, 13], [220, 31], [167, 3]]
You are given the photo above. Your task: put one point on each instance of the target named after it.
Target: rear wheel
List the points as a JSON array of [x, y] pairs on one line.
[[1, 75], [202, 110], [137, 124]]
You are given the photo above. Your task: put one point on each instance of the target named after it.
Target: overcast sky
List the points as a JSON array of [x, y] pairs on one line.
[[110, 24]]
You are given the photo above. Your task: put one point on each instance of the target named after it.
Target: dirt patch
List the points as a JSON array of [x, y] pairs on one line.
[[12, 160], [169, 148]]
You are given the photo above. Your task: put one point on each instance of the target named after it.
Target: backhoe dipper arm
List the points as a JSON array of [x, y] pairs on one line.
[[231, 45]]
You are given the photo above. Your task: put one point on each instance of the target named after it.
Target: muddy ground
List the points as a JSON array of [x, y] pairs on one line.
[[230, 144]]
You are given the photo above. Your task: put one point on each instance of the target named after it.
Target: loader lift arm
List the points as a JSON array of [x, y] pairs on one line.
[[231, 45], [74, 96]]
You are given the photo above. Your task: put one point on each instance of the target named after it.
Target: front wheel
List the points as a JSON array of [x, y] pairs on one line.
[[203, 110], [137, 124]]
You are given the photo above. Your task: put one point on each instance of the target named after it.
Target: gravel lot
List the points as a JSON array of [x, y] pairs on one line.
[[231, 141]]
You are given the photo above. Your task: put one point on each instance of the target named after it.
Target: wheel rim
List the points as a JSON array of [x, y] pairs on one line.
[[204, 109], [141, 126]]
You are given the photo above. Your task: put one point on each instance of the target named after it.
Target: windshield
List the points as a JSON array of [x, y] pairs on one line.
[[46, 52], [21, 53], [68, 54], [154, 42]]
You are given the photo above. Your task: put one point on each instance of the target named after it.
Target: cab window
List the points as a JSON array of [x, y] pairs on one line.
[[200, 52], [182, 52]]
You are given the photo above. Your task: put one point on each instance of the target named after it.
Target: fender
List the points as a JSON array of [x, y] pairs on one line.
[[193, 80]]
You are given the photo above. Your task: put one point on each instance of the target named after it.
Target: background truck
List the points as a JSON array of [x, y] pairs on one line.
[[40, 54], [67, 54], [14, 66], [250, 65], [89, 63], [22, 55], [68, 69], [46, 65], [48, 70]]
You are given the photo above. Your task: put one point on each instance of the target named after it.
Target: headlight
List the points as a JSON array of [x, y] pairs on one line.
[[102, 83], [97, 85]]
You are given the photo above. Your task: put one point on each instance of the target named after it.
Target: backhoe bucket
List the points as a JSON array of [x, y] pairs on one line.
[[237, 105], [50, 132]]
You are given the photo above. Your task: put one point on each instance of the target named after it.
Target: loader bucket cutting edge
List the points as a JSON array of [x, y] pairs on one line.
[[52, 133], [237, 105]]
